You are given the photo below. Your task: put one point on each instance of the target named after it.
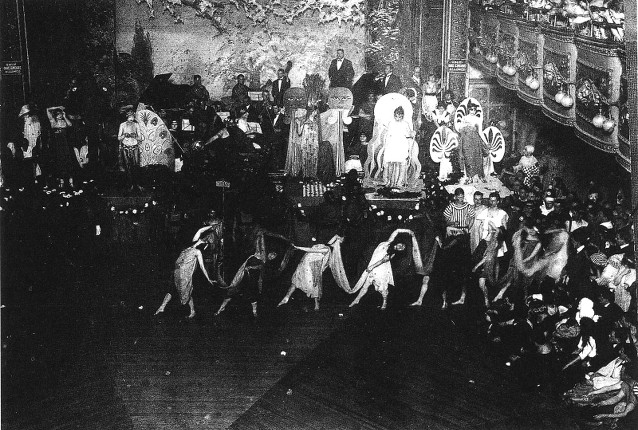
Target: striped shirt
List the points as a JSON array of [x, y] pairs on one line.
[[462, 214]]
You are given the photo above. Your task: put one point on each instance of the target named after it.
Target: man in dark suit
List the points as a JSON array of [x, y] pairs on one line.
[[391, 83], [279, 87], [341, 72]]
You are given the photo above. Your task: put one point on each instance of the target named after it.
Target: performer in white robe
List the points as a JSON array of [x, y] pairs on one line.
[[398, 145], [379, 271], [308, 276]]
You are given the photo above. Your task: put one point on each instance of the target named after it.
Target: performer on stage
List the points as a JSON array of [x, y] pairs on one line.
[[279, 87], [247, 281], [240, 92], [130, 136], [390, 83], [212, 234], [379, 271], [65, 162], [341, 72], [431, 90], [308, 276], [398, 144], [185, 266], [528, 164], [472, 149], [293, 154], [310, 144]]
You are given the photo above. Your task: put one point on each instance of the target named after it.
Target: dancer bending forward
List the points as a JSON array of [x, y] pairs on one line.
[[185, 266], [308, 276], [379, 270]]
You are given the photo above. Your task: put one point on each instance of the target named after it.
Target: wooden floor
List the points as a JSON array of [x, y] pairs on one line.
[[405, 369], [83, 351]]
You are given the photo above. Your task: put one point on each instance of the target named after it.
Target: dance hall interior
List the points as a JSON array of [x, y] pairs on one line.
[[318, 214]]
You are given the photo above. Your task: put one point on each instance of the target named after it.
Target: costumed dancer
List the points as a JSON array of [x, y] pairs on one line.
[[550, 264], [310, 145], [441, 116], [294, 158], [212, 234], [459, 217], [308, 276], [65, 162], [431, 90], [398, 144], [185, 266], [32, 133], [428, 267], [493, 222], [248, 279], [130, 135], [528, 164], [472, 148], [379, 271], [528, 238]]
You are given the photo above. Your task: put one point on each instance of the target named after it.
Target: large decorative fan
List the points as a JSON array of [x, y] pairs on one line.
[[493, 137], [384, 109], [157, 146], [462, 111], [442, 143]]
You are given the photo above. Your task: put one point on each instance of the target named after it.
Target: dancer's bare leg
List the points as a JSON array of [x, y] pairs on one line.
[[483, 288], [362, 293], [223, 306], [287, 296], [191, 306], [384, 294], [167, 298], [424, 289], [254, 306], [461, 300], [501, 293], [444, 300], [317, 303]]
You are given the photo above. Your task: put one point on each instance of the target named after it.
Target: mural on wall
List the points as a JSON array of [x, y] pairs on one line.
[[384, 32], [219, 40], [349, 11]]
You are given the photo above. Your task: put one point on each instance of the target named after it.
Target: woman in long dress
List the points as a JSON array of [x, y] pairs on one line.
[[185, 266], [293, 154], [431, 90], [379, 271], [308, 276], [397, 144], [65, 161], [310, 145]]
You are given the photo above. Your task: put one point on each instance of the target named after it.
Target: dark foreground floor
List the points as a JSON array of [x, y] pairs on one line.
[[81, 350]]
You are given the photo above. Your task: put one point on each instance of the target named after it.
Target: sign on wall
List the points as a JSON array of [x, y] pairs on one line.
[[11, 68]]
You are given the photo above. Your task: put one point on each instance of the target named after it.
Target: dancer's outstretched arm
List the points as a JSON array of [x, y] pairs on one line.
[[200, 231], [200, 260]]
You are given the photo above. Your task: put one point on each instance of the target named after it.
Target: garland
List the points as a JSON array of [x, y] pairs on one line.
[[259, 11]]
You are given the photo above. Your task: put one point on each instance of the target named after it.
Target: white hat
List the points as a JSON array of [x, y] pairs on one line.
[[24, 110], [529, 148]]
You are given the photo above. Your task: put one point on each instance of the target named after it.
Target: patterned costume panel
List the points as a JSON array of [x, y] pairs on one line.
[[157, 146]]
